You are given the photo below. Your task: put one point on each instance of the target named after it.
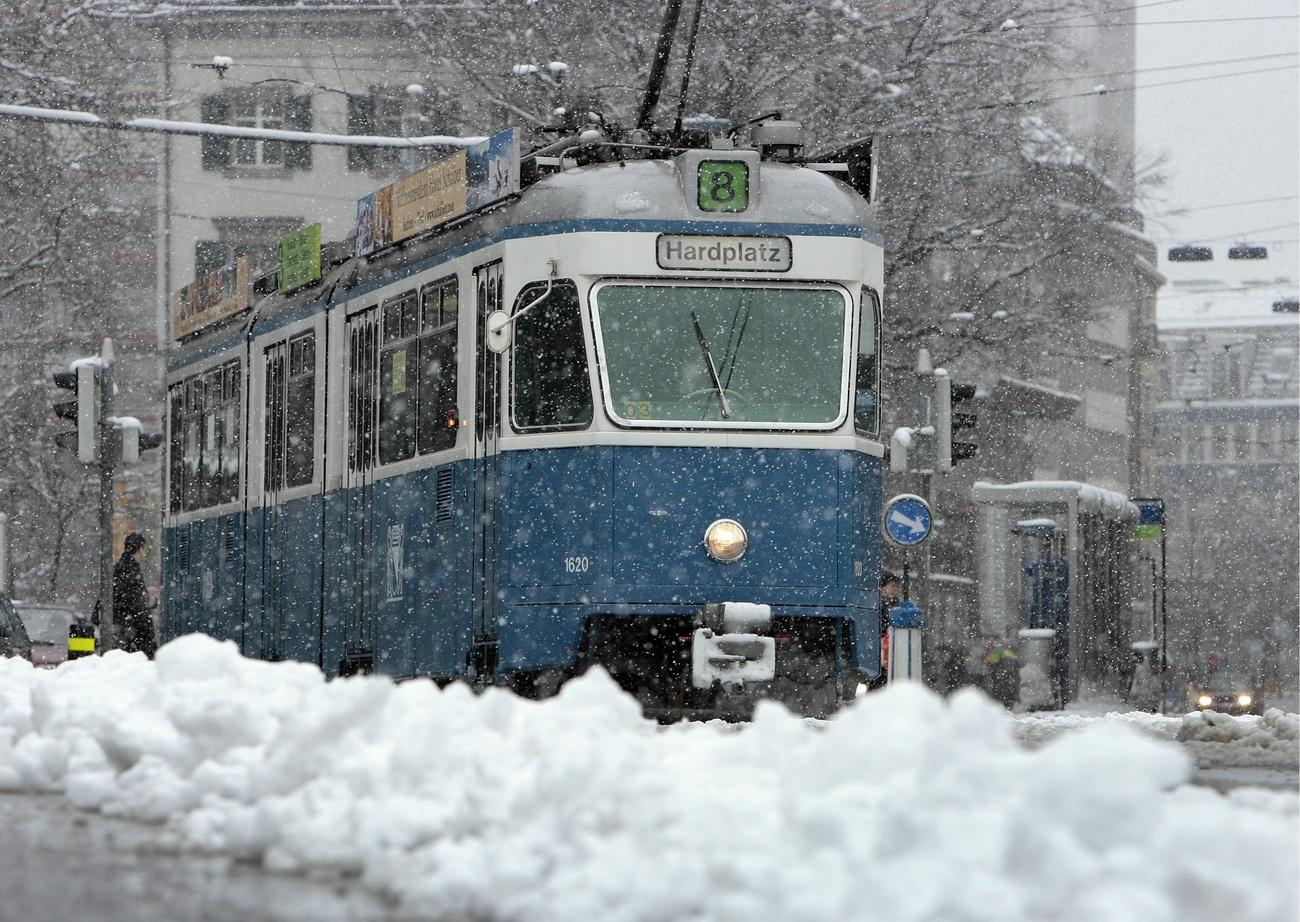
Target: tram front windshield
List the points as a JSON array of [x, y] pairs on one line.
[[693, 355]]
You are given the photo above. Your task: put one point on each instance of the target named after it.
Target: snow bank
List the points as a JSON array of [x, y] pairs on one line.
[[1213, 740], [905, 807]]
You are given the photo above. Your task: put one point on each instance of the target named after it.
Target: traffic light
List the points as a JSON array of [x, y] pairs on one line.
[[83, 379], [133, 439], [947, 397]]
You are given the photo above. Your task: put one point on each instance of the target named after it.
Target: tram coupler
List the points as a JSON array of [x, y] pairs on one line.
[[728, 649]]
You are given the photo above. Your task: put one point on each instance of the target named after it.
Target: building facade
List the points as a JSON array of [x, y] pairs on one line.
[[1228, 468]]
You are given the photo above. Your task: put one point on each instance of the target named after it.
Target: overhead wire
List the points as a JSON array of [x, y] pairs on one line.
[[1065, 78], [1256, 201]]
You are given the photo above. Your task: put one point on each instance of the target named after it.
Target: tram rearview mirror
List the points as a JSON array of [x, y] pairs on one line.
[[498, 331]]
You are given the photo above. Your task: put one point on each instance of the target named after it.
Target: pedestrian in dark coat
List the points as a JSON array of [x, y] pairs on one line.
[[131, 603], [889, 587]]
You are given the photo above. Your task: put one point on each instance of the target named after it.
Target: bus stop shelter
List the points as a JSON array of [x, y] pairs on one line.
[[1095, 527]]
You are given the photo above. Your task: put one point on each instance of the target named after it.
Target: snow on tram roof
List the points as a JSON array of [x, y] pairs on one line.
[[653, 190]]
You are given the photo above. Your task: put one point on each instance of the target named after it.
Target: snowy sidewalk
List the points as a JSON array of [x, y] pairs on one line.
[[904, 807]]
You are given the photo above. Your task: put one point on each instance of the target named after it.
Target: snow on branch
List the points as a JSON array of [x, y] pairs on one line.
[[163, 126]]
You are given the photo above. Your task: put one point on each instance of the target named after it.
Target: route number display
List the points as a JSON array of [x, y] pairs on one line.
[[724, 185]]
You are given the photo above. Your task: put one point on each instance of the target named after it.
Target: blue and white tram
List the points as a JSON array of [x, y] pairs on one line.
[[671, 468]]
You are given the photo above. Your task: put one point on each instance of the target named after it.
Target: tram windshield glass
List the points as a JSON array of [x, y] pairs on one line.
[[723, 355]]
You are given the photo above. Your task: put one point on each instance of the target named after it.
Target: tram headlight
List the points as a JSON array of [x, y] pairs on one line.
[[725, 540], [1244, 700], [1204, 701]]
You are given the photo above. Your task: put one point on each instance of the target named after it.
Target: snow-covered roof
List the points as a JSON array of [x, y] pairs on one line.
[[1090, 498], [1041, 143], [1223, 292]]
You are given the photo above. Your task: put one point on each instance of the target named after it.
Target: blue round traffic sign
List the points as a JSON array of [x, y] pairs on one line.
[[907, 520]]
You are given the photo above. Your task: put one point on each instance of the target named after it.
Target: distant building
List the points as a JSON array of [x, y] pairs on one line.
[[1228, 469]]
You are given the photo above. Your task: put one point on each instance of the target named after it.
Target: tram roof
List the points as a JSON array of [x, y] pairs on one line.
[[629, 196]]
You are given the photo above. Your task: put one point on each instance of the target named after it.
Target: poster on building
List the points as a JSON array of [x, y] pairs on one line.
[[299, 258], [468, 180], [215, 296]]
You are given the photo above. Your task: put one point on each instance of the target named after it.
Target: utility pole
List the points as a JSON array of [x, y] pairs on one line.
[[412, 109], [925, 381], [107, 468], [4, 554]]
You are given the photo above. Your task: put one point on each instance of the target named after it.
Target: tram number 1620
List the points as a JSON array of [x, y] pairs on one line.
[[577, 564]]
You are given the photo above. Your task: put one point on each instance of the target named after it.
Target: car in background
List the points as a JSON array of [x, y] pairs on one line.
[[13, 633], [47, 626], [1228, 693]]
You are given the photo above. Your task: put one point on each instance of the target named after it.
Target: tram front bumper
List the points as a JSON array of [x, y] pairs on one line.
[[729, 650], [734, 660]]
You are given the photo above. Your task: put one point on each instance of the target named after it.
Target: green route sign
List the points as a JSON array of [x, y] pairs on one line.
[[724, 185], [299, 258]]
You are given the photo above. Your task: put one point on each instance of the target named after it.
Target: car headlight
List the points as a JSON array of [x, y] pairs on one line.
[[1244, 700], [725, 540], [1204, 701]]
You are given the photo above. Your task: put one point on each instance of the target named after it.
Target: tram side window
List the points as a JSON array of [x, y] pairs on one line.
[[437, 416], [551, 386], [213, 437], [230, 446], [866, 398], [397, 379], [192, 452], [300, 412], [175, 447]]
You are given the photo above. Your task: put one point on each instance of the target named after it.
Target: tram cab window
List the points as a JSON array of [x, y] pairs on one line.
[[866, 395], [436, 413], [551, 386], [703, 355], [397, 379]]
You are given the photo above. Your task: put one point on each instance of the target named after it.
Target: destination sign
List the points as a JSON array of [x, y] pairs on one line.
[[725, 253]]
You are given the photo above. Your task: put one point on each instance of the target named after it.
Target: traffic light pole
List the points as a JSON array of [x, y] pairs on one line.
[[107, 470]]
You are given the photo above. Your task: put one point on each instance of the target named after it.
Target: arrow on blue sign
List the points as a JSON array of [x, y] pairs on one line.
[[907, 520]]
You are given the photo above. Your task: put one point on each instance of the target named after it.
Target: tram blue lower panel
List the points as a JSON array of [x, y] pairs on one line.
[[283, 588], [203, 578], [397, 573], [608, 530]]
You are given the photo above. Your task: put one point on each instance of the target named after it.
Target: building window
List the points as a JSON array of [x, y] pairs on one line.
[[256, 238], [256, 108], [392, 113], [1222, 443]]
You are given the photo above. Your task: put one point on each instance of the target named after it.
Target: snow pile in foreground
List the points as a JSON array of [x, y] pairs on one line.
[[903, 808]]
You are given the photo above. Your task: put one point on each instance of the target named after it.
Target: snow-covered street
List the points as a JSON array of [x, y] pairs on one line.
[[903, 807]]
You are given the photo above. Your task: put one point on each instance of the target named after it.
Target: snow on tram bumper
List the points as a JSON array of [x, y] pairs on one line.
[[729, 651]]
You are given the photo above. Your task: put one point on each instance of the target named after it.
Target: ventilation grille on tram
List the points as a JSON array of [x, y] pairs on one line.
[[443, 508]]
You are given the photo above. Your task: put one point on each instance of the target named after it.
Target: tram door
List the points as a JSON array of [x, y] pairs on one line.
[[487, 419], [291, 521], [357, 594]]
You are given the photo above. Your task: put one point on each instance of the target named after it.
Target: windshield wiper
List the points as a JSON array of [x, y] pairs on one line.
[[708, 362], [734, 341]]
